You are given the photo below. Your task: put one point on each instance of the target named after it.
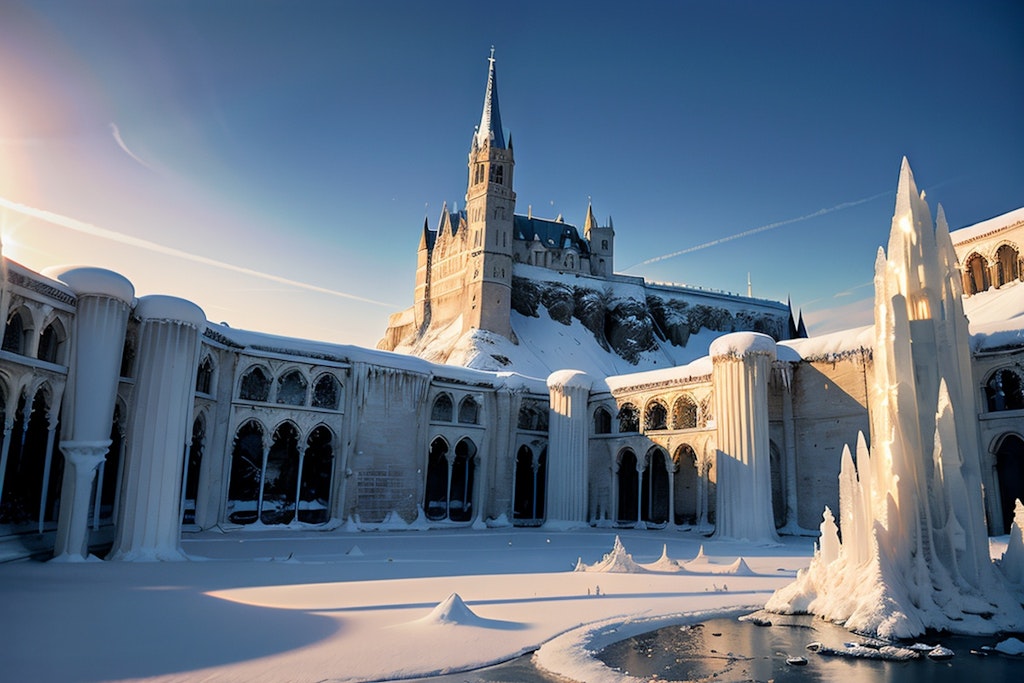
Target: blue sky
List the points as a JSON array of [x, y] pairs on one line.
[[306, 141]]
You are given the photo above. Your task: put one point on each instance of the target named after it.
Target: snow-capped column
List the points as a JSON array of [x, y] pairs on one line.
[[568, 476], [742, 363], [101, 320], [149, 516]]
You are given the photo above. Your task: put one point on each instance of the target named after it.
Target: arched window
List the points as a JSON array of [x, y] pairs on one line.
[[255, 385], [291, 389], [280, 481], [629, 419], [460, 497], [442, 410], [316, 467], [654, 488], [106, 477], [602, 421], [204, 376], [627, 482], [656, 416], [1007, 265], [435, 495], [684, 413], [687, 486], [51, 343], [193, 462], [1010, 473], [469, 411], [27, 494], [530, 480], [246, 474], [533, 416], [977, 274], [326, 392], [1004, 391], [14, 334]]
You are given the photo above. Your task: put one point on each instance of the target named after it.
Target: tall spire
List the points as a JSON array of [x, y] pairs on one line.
[[490, 134], [590, 222]]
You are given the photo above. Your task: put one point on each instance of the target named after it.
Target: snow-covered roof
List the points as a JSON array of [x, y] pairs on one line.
[[1012, 219], [742, 343], [90, 280], [551, 234]]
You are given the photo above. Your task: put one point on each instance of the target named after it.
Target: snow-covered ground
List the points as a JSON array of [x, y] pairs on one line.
[[286, 605]]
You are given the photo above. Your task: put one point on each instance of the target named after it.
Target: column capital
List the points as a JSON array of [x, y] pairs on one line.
[[87, 454]]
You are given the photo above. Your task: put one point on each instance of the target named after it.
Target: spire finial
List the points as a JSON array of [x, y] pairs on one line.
[[489, 132]]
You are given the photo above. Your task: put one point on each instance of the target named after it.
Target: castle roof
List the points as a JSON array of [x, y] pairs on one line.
[[552, 234], [490, 134]]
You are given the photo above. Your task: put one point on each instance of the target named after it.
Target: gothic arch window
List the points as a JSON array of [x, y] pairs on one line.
[[530, 481], [686, 484], [291, 389], [204, 376], [627, 484], [629, 419], [51, 343], [442, 411], [246, 476], [656, 416], [469, 411], [435, 495], [684, 413], [1004, 391], [326, 392], [1007, 265], [460, 492], [533, 416], [499, 175], [1010, 473], [280, 478], [193, 464], [977, 273], [255, 385], [15, 333], [602, 421], [28, 495], [315, 485], [654, 488]]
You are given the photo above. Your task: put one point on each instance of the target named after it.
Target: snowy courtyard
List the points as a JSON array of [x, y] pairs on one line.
[[280, 605]]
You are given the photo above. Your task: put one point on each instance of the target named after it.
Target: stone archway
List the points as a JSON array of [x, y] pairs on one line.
[[1010, 474]]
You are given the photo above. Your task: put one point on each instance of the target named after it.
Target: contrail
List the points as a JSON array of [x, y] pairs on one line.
[[124, 148], [763, 228], [103, 233]]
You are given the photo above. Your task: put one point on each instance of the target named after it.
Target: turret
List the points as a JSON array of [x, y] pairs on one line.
[[490, 204], [602, 244]]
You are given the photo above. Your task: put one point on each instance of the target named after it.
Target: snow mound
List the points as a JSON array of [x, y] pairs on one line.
[[739, 568], [663, 563], [393, 522], [355, 551], [618, 561], [452, 610], [739, 344], [1012, 562]]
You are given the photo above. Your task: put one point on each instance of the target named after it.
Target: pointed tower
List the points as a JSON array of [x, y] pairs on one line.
[[421, 295], [602, 244], [490, 204]]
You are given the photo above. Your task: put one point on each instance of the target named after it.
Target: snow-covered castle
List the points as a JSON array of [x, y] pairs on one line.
[[128, 422]]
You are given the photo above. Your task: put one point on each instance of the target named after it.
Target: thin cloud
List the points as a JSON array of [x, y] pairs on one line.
[[763, 228], [103, 233], [124, 148]]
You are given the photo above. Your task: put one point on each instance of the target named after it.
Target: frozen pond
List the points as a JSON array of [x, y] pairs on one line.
[[728, 649]]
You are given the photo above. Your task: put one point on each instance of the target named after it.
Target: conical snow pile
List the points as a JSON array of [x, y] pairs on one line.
[[1012, 563], [618, 561], [452, 610], [914, 554], [663, 563]]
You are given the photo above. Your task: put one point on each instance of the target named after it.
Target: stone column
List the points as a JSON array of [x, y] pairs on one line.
[[149, 517], [741, 370], [566, 493], [101, 320]]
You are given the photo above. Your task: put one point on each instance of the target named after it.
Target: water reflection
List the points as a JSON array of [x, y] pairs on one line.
[[725, 649]]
